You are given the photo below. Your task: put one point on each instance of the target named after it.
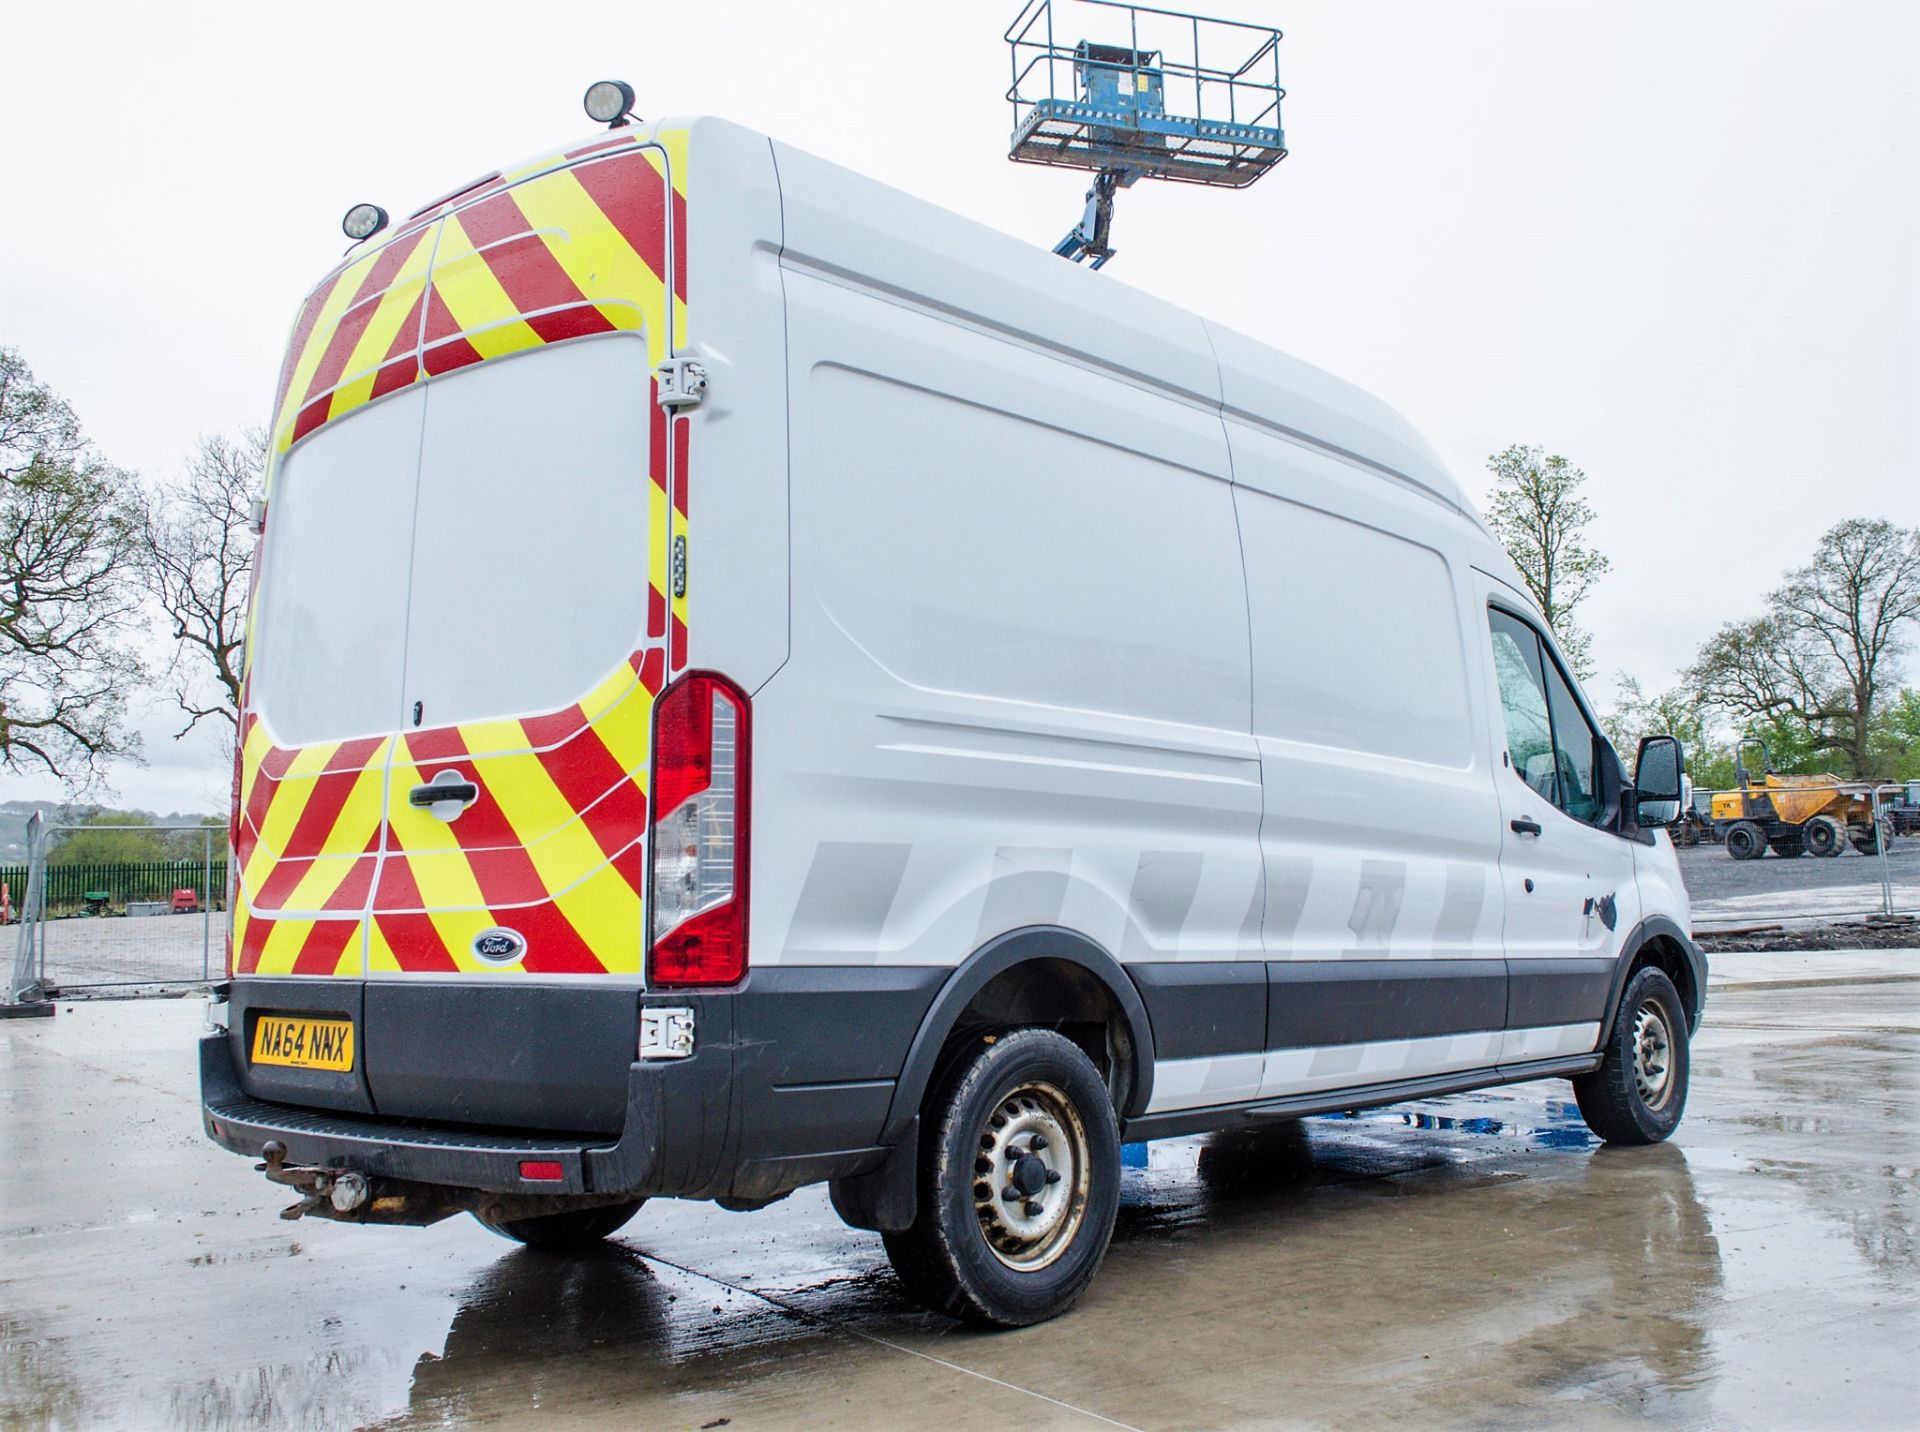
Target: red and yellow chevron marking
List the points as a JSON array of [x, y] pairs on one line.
[[336, 876], [563, 252]]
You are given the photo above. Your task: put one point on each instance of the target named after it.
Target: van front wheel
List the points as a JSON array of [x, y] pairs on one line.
[[574, 1231], [1019, 1182], [1639, 1091]]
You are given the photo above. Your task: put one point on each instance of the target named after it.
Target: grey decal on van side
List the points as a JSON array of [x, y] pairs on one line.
[[843, 904], [1460, 906], [1164, 884], [1029, 887], [1376, 905], [1341, 1059], [1289, 882]]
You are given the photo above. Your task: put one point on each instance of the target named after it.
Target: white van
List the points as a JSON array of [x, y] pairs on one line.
[[757, 680]]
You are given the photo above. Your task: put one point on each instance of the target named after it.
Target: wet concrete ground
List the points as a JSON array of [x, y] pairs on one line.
[[1473, 1261]]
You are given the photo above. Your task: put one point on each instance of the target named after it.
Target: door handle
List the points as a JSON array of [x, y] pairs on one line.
[[1524, 826], [434, 792]]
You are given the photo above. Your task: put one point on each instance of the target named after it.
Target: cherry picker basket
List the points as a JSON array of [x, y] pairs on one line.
[[1166, 95]]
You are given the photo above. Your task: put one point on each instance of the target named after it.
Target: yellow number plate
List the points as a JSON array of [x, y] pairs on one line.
[[303, 1043]]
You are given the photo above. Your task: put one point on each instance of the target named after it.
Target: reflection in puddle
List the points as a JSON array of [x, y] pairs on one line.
[[1562, 1128]]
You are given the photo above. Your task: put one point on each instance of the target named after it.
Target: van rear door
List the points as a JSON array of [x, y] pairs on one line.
[[516, 799], [536, 617], [323, 690]]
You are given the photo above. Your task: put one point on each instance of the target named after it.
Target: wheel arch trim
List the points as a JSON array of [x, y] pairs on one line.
[[1000, 954], [1658, 927]]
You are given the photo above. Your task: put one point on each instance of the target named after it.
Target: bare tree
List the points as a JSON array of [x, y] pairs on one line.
[[1536, 511], [1826, 651], [67, 610], [196, 545]]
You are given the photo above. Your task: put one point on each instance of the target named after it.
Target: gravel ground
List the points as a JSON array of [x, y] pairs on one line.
[[116, 951], [1728, 892]]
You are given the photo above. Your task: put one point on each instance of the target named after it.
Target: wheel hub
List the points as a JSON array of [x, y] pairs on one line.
[[1030, 1176], [1652, 1055]]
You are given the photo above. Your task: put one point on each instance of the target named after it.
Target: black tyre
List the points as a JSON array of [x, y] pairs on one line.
[[1824, 836], [1868, 839], [1639, 1092], [1787, 847], [572, 1232], [1019, 1183], [1746, 841]]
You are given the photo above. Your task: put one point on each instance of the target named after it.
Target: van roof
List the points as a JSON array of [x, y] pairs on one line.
[[873, 235]]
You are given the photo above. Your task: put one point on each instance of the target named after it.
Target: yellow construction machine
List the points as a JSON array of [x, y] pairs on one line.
[[1793, 815]]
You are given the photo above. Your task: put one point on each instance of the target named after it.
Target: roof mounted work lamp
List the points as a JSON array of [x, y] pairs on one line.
[[610, 102]]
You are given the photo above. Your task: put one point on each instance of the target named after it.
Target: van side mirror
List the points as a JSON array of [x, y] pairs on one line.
[[1656, 780]]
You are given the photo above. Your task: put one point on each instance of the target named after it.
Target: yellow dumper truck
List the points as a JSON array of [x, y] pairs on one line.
[[1793, 815]]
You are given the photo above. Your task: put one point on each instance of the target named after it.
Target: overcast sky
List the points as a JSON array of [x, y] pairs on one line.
[[1677, 242]]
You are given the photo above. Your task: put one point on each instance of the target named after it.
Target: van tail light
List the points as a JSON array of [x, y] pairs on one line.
[[699, 833]]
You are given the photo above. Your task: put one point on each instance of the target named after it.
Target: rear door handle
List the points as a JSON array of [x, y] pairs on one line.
[[433, 793], [1524, 826]]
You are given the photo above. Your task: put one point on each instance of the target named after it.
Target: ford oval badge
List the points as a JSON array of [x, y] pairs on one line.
[[499, 946]]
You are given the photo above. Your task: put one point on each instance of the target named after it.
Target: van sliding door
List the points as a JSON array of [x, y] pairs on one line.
[[1380, 830]]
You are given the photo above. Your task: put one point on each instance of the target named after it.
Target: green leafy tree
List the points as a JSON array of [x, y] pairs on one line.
[[1675, 712], [1537, 512], [111, 838], [1896, 738], [68, 610], [1816, 667]]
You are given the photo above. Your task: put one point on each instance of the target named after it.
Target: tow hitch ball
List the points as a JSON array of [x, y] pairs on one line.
[[344, 1191], [349, 1196]]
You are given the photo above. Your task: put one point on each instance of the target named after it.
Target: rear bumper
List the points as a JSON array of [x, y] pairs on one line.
[[460, 1157], [790, 1083]]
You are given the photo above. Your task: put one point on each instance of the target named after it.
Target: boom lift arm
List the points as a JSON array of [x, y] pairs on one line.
[[1088, 238]]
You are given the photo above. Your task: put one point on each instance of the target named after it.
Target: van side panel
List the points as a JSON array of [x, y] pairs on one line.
[[1382, 828], [1020, 675], [1019, 682]]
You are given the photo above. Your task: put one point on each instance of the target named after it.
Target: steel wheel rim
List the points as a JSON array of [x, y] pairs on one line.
[[1652, 1055], [1031, 1174]]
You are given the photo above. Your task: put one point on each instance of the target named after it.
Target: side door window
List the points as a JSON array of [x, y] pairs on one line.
[[1574, 743], [1523, 701], [1550, 743]]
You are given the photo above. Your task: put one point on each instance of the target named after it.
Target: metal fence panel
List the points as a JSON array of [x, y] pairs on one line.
[[98, 925], [1784, 867]]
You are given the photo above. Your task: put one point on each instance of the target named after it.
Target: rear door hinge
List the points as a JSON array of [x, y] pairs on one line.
[[682, 383]]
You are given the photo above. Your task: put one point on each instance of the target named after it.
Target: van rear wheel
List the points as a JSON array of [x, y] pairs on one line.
[[574, 1231], [1019, 1183]]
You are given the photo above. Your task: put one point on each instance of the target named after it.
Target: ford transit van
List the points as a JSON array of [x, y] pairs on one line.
[[755, 680]]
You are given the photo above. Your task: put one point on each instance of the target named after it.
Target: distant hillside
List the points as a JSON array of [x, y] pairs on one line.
[[14, 816]]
